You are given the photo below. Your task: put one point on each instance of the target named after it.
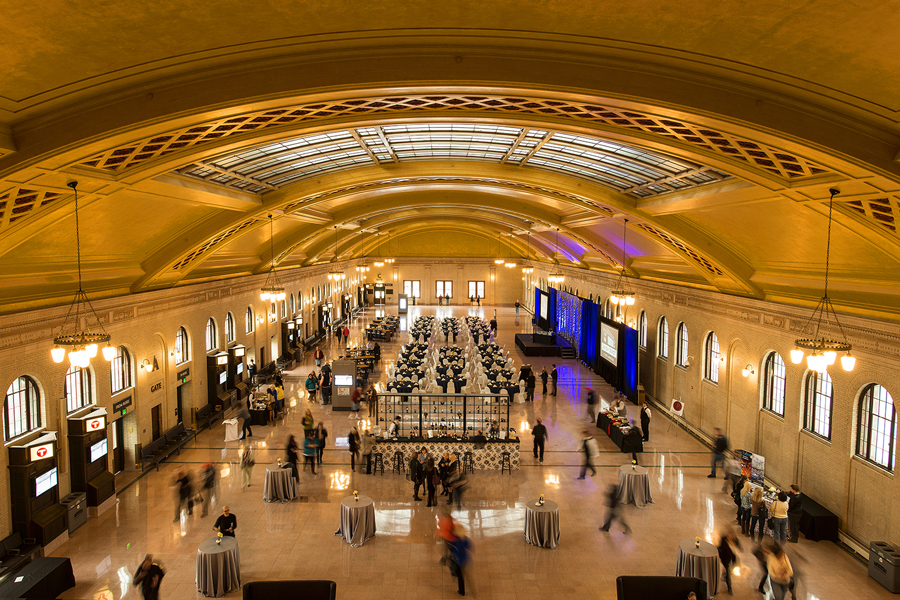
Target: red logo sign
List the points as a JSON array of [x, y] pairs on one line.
[[95, 424], [41, 452], [677, 405]]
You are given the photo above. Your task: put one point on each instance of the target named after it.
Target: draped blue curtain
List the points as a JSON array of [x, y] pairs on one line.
[[568, 317], [628, 357], [590, 323], [552, 308]]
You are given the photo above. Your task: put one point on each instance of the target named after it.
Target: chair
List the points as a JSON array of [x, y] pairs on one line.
[[468, 463], [308, 590], [505, 463], [399, 463], [520, 397], [451, 387], [659, 587], [378, 459]]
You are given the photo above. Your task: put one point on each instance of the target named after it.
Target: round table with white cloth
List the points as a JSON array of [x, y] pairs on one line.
[[218, 567], [701, 562], [357, 520], [634, 485], [542, 524], [279, 483]]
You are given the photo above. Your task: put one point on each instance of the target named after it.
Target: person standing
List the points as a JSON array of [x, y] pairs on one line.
[[321, 437], [613, 510], [544, 377], [149, 575], [780, 518], [355, 401], [326, 386], [780, 572], [517, 307], [293, 456], [346, 335], [795, 509], [339, 334], [416, 475], [312, 383], [226, 523], [440, 300], [588, 446], [645, 421], [319, 356], [353, 442], [247, 462], [372, 399], [540, 437], [746, 507], [758, 514], [244, 415], [720, 446], [554, 376], [208, 483], [368, 444], [432, 478], [727, 548], [591, 404], [308, 423], [530, 383], [310, 450]]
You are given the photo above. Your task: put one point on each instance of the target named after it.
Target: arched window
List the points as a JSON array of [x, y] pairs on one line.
[[773, 384], [662, 339], [120, 371], [711, 358], [642, 329], [273, 312], [248, 320], [229, 328], [283, 309], [299, 300], [681, 345], [182, 347], [819, 395], [23, 408], [77, 388], [211, 342], [293, 306], [607, 309], [877, 427]]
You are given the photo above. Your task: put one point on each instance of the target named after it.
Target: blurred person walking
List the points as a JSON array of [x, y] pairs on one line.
[[149, 575], [588, 446], [728, 548], [720, 446], [208, 483], [780, 571], [613, 511], [540, 437], [353, 443], [247, 462], [321, 435]]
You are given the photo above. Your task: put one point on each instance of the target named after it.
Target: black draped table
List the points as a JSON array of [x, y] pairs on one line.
[[618, 437], [817, 522], [357, 520], [542, 523], [279, 483], [218, 567], [40, 579], [701, 562], [634, 485]]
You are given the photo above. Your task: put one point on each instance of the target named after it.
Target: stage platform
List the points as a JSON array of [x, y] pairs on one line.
[[525, 342]]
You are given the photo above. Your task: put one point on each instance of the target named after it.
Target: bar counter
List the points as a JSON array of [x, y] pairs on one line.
[[485, 455]]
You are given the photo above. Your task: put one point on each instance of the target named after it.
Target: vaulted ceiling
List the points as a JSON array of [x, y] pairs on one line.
[[369, 129]]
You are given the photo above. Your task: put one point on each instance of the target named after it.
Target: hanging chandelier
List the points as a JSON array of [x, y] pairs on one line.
[[379, 262], [335, 274], [389, 260], [272, 290], [81, 345], [527, 270], [363, 267], [622, 293], [556, 277], [499, 260], [510, 263], [823, 350]]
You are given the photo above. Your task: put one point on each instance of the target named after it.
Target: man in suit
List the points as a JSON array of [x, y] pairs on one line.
[[795, 509], [554, 377]]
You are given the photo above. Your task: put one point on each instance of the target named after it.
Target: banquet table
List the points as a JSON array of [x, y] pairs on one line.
[[496, 389], [507, 373], [259, 417], [817, 522], [443, 381], [634, 485], [218, 567], [617, 435], [542, 524], [702, 562], [357, 520], [279, 483], [454, 369]]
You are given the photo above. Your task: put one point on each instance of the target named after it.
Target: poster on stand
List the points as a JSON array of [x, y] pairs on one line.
[[753, 466]]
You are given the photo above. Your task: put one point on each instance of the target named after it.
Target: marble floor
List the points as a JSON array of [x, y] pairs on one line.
[[297, 541]]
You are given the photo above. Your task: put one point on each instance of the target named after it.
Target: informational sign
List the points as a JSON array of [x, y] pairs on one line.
[[95, 424], [346, 380], [678, 407], [609, 343], [184, 373], [41, 452], [99, 450], [45, 482], [223, 377], [545, 306], [123, 403], [753, 466]]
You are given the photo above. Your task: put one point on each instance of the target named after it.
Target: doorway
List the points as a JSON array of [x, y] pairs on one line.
[[118, 442], [261, 359], [179, 401], [155, 423]]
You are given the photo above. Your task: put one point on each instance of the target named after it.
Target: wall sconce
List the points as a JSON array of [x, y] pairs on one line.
[[687, 361], [260, 319], [149, 366], [748, 371]]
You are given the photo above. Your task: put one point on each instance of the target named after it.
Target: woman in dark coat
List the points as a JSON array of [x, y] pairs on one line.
[[353, 442], [293, 456], [430, 474]]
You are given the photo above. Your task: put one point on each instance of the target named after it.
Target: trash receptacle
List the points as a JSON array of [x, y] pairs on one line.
[[884, 565], [76, 510]]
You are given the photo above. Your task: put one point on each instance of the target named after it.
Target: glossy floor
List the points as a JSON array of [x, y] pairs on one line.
[[297, 541]]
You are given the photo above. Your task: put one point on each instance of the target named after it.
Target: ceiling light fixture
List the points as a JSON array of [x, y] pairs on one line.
[[389, 260], [528, 269], [82, 343], [271, 290], [336, 274], [823, 350], [622, 293], [499, 260], [379, 262], [363, 267], [556, 277]]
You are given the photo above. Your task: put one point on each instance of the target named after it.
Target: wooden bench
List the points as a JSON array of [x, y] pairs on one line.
[[206, 416], [15, 553], [160, 449]]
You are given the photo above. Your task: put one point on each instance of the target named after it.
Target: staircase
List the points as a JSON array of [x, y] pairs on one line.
[[567, 352]]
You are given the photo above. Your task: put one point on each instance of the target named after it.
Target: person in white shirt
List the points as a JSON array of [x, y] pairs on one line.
[[394, 429], [645, 421]]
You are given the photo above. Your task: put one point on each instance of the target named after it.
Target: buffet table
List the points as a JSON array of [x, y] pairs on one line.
[[616, 434], [487, 458]]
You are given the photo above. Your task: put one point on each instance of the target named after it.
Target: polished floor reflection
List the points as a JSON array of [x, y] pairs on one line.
[[297, 541]]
